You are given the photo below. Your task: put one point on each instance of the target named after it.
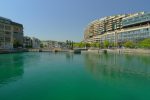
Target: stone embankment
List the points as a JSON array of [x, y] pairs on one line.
[[132, 51], [48, 50], [6, 51]]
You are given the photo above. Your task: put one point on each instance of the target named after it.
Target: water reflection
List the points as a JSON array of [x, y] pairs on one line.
[[69, 56], [117, 65], [11, 67]]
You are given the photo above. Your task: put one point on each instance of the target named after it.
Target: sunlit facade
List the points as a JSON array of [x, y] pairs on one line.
[[119, 28], [10, 31]]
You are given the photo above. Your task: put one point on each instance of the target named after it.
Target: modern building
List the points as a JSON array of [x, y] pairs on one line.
[[119, 28], [9, 32]]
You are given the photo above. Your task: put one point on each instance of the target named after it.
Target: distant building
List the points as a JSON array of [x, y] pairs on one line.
[[53, 44], [27, 42], [9, 33], [119, 28], [35, 43]]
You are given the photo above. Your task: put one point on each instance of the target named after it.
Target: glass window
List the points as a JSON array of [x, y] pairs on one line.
[[7, 27]]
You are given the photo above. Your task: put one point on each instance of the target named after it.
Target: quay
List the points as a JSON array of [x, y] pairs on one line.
[[120, 51], [7, 51], [78, 50]]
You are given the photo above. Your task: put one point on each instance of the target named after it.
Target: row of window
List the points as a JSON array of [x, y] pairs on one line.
[[137, 19], [6, 27], [130, 35], [5, 33]]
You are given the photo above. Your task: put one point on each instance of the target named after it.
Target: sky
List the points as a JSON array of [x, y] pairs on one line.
[[63, 20]]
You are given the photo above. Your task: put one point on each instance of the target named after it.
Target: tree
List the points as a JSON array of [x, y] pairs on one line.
[[106, 44], [41, 45], [98, 45], [16, 44], [87, 44], [72, 44], [76, 45], [145, 43], [69, 44], [79, 45], [129, 44], [93, 44]]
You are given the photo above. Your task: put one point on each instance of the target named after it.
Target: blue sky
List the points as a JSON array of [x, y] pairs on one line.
[[63, 20]]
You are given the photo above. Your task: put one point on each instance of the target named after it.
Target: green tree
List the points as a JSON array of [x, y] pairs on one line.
[[79, 45], [16, 44], [93, 44], [41, 45], [30, 46], [106, 44], [98, 45], [145, 43], [87, 44], [76, 45], [129, 44], [72, 44], [69, 44]]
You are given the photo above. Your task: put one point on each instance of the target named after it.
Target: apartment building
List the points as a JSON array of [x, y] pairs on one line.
[[17, 33], [119, 28], [9, 32]]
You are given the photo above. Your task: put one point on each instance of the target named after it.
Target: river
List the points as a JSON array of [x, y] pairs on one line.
[[67, 76]]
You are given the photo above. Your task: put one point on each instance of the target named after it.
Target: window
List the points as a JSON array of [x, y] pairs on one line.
[[8, 33], [7, 27], [1, 27], [7, 39]]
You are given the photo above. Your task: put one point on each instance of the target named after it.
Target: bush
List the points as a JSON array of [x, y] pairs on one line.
[[129, 44], [79, 45], [106, 44], [145, 43], [16, 44]]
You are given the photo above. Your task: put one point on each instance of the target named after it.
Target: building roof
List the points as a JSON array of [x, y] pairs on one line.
[[8, 21], [17, 24], [5, 20]]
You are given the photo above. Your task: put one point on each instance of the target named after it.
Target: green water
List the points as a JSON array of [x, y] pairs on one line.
[[64, 76]]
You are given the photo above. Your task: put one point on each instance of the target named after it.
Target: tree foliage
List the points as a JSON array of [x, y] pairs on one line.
[[79, 45], [69, 44], [129, 44], [145, 43], [41, 45], [106, 44], [16, 44]]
